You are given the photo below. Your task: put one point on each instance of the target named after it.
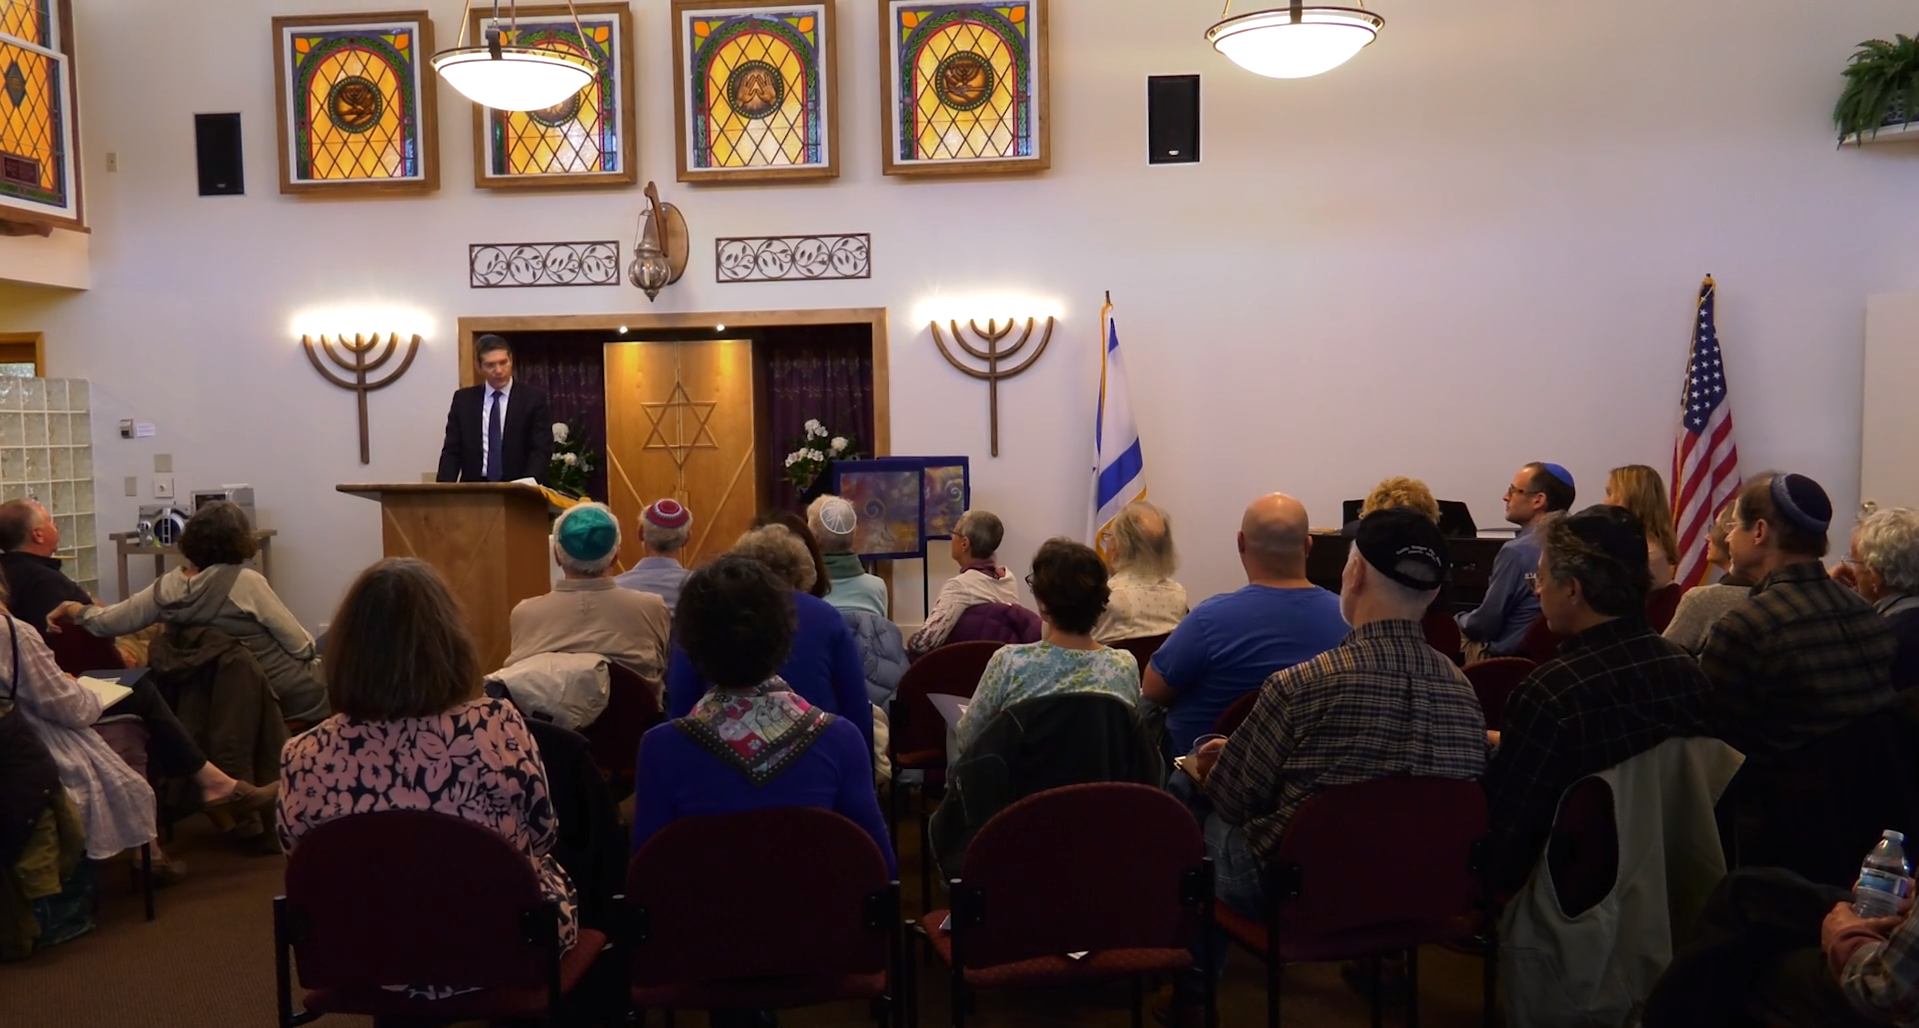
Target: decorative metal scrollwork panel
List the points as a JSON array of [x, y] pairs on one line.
[[794, 258], [519, 265]]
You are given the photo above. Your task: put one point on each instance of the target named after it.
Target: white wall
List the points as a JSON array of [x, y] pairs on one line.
[[1475, 245]]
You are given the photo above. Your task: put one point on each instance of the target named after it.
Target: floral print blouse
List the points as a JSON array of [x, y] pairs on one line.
[[1027, 672], [476, 761]]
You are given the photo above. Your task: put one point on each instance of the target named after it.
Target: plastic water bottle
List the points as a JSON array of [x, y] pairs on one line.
[[1885, 879]]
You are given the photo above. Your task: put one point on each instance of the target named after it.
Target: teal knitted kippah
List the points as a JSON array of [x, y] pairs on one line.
[[587, 533]]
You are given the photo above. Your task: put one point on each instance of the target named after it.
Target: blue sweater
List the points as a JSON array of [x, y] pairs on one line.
[[679, 778], [824, 668]]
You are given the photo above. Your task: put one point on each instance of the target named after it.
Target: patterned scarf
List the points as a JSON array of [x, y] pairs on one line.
[[758, 732]]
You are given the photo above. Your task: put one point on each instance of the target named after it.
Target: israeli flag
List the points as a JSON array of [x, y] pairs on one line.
[[1119, 469]]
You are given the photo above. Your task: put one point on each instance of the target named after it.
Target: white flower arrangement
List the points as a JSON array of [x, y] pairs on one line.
[[560, 431], [816, 447]]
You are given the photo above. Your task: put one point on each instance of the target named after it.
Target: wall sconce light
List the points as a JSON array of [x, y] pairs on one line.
[[993, 335], [353, 358], [659, 258]]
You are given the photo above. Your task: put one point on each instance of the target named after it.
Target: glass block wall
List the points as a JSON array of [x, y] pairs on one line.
[[46, 454]]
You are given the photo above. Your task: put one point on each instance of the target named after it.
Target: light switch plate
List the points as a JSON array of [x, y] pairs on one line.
[[163, 463], [163, 488], [133, 485]]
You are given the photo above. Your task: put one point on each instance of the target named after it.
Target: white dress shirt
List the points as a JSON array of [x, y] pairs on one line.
[[486, 399]]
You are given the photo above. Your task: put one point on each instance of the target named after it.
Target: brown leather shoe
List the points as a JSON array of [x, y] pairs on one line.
[[247, 798]]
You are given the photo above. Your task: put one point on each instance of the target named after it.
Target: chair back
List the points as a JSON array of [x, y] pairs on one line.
[[1235, 713], [918, 736], [1662, 604], [1583, 854], [78, 651], [398, 896], [1385, 852], [1101, 866], [1540, 644], [996, 622], [1493, 682], [1442, 632], [1142, 648], [614, 736], [709, 906]]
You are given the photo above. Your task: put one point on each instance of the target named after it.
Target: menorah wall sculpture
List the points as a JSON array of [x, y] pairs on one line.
[[993, 355], [352, 359]]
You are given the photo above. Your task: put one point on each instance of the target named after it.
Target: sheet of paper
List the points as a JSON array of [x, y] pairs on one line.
[[110, 692], [950, 707]]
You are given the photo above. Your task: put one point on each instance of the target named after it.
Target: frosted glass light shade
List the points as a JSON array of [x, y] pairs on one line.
[[1271, 43], [522, 78]]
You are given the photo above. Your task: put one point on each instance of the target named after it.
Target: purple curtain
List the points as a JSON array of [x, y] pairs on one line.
[[823, 373], [573, 376]]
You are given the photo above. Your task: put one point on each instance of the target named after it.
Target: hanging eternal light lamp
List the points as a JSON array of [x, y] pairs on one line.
[[1294, 42], [506, 76], [659, 256]]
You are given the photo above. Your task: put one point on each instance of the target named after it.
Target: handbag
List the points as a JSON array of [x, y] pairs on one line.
[[28, 774]]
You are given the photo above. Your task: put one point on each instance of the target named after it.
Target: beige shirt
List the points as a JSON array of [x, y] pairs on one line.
[[1140, 608], [595, 615]]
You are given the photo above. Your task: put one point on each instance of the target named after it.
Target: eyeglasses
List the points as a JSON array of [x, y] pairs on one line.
[[1852, 562], [1532, 581], [1513, 490], [1029, 580]]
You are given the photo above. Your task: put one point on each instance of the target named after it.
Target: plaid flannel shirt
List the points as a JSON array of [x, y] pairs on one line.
[[1882, 978], [1381, 703], [1803, 655], [1615, 691]]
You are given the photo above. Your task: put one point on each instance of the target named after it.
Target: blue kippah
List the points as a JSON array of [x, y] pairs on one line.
[[1559, 471], [1801, 501], [587, 532]]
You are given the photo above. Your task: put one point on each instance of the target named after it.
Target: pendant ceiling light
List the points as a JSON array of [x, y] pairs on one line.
[[1294, 42], [506, 76]]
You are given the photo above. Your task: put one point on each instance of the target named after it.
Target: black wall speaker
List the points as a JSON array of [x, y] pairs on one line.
[[1172, 119], [216, 139]]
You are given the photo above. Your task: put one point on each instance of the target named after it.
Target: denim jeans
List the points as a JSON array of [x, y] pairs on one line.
[[1237, 880]]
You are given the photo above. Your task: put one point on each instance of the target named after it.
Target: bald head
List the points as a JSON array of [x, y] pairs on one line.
[[1273, 538], [25, 525]]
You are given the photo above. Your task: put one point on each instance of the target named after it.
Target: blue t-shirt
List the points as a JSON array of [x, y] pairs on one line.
[[1230, 644]]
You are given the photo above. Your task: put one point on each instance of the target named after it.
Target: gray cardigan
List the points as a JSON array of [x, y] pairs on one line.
[[1699, 609]]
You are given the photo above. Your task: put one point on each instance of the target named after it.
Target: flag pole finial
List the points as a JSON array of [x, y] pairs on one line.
[[1109, 296]]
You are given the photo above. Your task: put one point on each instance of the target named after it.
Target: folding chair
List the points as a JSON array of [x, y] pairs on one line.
[[1493, 682], [1142, 648], [917, 743], [614, 736]]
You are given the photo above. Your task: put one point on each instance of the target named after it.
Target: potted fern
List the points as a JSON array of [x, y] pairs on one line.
[[1882, 89]]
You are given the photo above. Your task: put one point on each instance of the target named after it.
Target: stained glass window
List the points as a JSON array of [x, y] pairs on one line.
[[36, 127], [579, 135], [358, 111], [965, 82], [757, 100]]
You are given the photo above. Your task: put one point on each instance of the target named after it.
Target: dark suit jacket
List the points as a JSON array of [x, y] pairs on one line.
[[527, 436]]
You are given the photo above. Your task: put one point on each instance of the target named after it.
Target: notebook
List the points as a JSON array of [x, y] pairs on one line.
[[109, 691]]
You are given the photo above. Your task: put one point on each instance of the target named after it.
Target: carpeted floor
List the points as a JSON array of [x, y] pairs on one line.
[[208, 963]]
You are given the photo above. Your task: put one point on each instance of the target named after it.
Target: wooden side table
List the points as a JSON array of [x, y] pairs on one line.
[[127, 544]]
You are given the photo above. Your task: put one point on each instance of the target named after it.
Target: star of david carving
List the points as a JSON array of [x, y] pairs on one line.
[[678, 404]]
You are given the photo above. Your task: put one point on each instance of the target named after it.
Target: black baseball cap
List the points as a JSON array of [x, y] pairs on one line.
[[1392, 538]]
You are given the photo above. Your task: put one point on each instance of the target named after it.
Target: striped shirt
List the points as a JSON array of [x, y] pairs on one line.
[[1380, 704], [1802, 656]]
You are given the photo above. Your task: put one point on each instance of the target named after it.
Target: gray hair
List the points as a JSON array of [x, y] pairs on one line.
[[829, 542], [1143, 540], [982, 531], [1889, 544], [663, 540], [779, 549]]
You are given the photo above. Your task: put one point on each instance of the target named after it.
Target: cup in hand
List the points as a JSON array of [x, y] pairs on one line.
[[1204, 755]]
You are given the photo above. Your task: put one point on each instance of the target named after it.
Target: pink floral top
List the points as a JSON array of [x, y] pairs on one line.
[[477, 761]]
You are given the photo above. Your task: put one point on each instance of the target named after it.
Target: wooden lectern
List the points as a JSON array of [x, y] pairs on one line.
[[487, 539]]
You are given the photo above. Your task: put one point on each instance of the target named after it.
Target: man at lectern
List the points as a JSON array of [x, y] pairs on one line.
[[499, 430]]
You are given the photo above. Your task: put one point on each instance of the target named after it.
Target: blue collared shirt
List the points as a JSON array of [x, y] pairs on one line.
[[1510, 606], [658, 575]]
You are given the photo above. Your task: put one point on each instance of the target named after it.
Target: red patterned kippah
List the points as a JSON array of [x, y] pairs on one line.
[[667, 514]]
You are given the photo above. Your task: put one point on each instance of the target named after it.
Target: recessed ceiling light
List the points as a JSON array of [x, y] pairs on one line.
[[622, 329]]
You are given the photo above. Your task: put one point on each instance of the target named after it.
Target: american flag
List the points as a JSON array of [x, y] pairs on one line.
[[1705, 462]]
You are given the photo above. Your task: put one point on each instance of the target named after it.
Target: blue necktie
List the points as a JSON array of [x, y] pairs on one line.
[[495, 464]]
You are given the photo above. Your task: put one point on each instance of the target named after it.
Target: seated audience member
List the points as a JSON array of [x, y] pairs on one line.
[[1497, 628], [412, 730], [1145, 600], [1381, 703], [213, 590], [1234, 641], [882, 654], [1803, 655], [1401, 492], [1705, 604], [664, 529], [587, 611], [115, 804], [832, 521], [819, 583], [1639, 489], [1883, 565], [822, 662], [976, 538], [35, 583], [1616, 689], [1069, 584], [751, 742]]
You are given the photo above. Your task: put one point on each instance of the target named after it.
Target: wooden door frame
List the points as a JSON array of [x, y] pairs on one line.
[[873, 317]]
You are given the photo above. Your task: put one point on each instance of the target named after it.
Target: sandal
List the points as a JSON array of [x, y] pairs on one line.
[[247, 798]]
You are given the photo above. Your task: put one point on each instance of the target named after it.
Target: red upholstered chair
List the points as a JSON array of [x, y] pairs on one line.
[[1583, 854], [614, 736], [1493, 682], [1540, 644], [917, 743], [823, 928], [1662, 604], [1124, 879], [1141, 648], [414, 897], [1235, 714], [78, 651], [1442, 633], [1365, 870]]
